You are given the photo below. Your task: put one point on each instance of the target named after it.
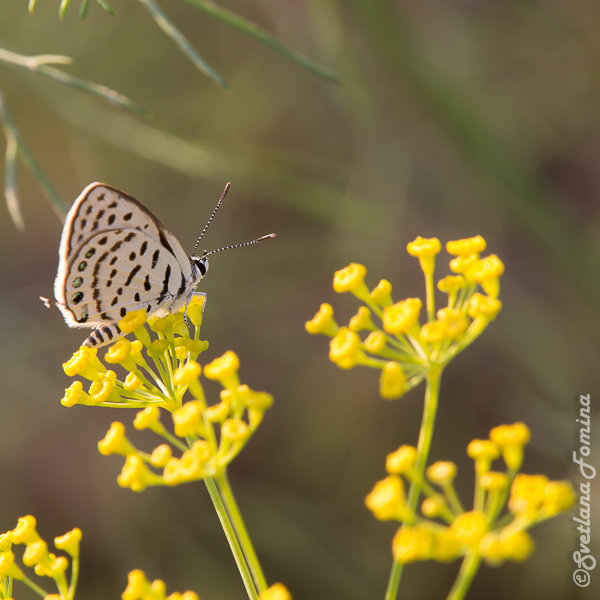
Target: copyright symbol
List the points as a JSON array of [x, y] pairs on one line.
[[581, 577]]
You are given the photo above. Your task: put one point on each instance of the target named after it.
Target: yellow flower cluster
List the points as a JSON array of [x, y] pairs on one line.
[[37, 556], [161, 368], [395, 340], [444, 530], [139, 588]]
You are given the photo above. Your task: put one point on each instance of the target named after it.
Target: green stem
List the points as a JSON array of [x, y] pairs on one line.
[[467, 572], [237, 535], [242, 532], [432, 392]]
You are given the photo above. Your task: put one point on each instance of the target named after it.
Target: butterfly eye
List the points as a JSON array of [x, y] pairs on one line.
[[202, 264]]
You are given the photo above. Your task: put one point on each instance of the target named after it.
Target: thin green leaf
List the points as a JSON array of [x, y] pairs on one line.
[[168, 27], [40, 64], [85, 4], [62, 11], [31, 6], [106, 6], [10, 182], [248, 27], [14, 138]]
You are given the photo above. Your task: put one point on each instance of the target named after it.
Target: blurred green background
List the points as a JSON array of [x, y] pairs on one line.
[[452, 119]]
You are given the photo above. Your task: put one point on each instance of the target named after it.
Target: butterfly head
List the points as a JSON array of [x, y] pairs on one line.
[[201, 263]]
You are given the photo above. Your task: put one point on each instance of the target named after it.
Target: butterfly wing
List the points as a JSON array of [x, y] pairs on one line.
[[115, 256]]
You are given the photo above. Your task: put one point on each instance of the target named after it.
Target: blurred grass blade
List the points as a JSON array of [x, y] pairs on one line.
[[31, 6], [62, 11], [106, 6], [40, 64], [248, 27], [13, 137], [168, 27], [10, 181], [85, 4]]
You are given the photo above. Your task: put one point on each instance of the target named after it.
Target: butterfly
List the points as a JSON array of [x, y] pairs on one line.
[[116, 257]]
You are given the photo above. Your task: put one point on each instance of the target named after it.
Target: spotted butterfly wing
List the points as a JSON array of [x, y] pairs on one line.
[[115, 257]]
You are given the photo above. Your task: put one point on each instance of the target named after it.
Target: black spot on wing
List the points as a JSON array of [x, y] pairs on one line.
[[133, 273], [143, 248], [165, 287], [147, 285], [155, 256]]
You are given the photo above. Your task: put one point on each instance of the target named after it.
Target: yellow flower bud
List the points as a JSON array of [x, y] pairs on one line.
[[445, 547], [381, 294], [161, 455], [483, 307], [527, 493], [469, 528], [132, 382], [558, 496], [135, 475], [466, 247], [442, 472], [400, 317], [433, 506], [351, 279], [461, 264], [187, 420], [217, 413], [115, 442], [486, 272], [103, 389], [118, 352], [392, 382], [69, 542], [132, 321], [195, 308], [147, 418], [516, 545], [401, 460], [276, 592], [234, 430], [35, 552], [224, 369], [493, 481], [72, 394], [323, 322], [8, 568], [454, 322], [411, 544], [386, 499], [451, 284], [58, 566], [425, 250], [511, 439], [25, 531], [187, 373], [85, 363], [483, 452], [432, 332], [344, 348], [361, 320], [491, 549], [137, 585], [375, 342]]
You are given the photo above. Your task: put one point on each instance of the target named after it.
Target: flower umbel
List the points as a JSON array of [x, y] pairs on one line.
[[160, 369], [390, 335], [506, 504], [37, 556]]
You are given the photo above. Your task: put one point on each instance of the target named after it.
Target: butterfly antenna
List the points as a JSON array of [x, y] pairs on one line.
[[250, 243], [214, 212]]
